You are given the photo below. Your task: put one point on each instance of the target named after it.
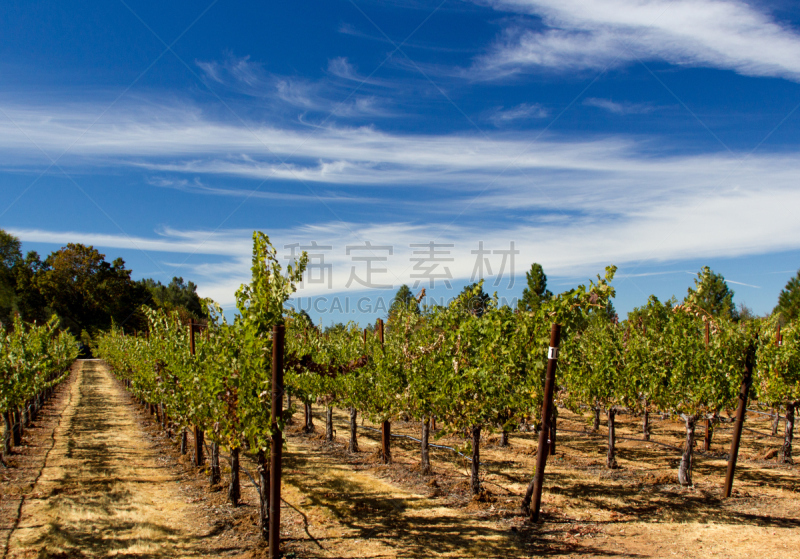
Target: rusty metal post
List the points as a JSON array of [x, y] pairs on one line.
[[535, 486], [386, 426], [276, 447], [707, 438], [199, 436], [737, 428]]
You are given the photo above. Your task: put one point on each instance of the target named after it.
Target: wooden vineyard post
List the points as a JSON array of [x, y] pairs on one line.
[[216, 474], [263, 494], [707, 439], [7, 433], [199, 436], [352, 445], [234, 489], [535, 486], [737, 429], [276, 447], [386, 436], [386, 426], [183, 441], [646, 414], [17, 431]]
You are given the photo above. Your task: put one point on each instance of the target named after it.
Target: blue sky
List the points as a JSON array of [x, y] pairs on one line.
[[659, 136]]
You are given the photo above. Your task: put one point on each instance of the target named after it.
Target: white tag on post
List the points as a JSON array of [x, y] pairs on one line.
[[552, 353]]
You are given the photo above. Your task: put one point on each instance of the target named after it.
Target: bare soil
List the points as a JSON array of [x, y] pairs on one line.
[[103, 489], [26, 461], [98, 477], [636, 510]]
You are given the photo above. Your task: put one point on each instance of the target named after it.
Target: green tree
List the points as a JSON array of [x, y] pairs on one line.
[[178, 295], [403, 299], [89, 293], [10, 256], [789, 300], [745, 313], [306, 317], [712, 294], [474, 299], [10, 250], [536, 290], [335, 328], [30, 302]]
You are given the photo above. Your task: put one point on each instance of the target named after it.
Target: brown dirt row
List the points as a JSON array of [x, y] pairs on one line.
[[26, 461], [638, 510], [104, 489]]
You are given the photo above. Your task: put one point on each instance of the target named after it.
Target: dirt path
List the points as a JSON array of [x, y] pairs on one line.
[[104, 490], [356, 514], [637, 510]]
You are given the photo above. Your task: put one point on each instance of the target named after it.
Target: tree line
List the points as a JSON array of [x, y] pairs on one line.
[[87, 293]]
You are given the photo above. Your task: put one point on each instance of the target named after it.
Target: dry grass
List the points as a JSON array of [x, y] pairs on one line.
[[638, 510], [357, 514], [102, 492]]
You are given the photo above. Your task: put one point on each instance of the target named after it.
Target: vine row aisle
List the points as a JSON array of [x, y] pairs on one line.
[[104, 490]]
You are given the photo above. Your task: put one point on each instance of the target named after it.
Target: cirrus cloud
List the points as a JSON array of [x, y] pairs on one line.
[[584, 34]]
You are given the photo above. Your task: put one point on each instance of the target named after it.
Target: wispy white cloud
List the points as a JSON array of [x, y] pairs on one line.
[[619, 108], [611, 175], [695, 227], [247, 77], [264, 193], [342, 68], [226, 243], [353, 31], [650, 274], [581, 34], [502, 116], [744, 284]]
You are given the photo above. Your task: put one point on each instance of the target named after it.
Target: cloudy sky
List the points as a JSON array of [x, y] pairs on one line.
[[409, 141]]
